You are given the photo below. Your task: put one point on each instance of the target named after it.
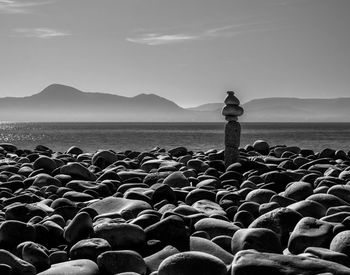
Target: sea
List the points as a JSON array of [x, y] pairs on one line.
[[194, 136]]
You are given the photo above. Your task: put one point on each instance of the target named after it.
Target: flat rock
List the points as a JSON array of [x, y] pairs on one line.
[[111, 206], [74, 267]]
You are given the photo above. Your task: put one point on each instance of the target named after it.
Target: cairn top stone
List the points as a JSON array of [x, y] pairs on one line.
[[232, 110], [231, 99]]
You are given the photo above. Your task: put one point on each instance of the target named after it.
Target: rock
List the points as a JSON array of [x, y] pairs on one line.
[[199, 194], [18, 265], [281, 220], [261, 146], [5, 269], [24, 212], [260, 239], [204, 245], [250, 262], [9, 147], [74, 150], [298, 190], [89, 249], [192, 263], [327, 200], [153, 261], [77, 171], [176, 179], [341, 243], [113, 262], [112, 206], [170, 231], [104, 158], [45, 163], [74, 267], [260, 195], [43, 179], [216, 227], [121, 236], [79, 228], [58, 256], [208, 207], [310, 232], [178, 151], [13, 233], [329, 255], [35, 255], [341, 191], [309, 208]]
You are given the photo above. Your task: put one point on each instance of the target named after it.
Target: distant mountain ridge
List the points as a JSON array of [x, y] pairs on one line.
[[60, 103]]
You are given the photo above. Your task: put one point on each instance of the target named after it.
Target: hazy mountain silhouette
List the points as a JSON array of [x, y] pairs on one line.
[[63, 103], [282, 109]]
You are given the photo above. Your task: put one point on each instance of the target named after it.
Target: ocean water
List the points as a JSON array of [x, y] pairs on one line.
[[195, 136]]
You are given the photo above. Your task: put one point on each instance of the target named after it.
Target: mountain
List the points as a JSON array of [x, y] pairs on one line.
[[63, 103], [297, 110], [282, 109], [207, 107]]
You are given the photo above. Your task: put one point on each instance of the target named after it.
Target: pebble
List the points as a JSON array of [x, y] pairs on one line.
[[278, 210]]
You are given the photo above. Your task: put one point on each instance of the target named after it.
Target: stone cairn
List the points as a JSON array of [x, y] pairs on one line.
[[232, 111]]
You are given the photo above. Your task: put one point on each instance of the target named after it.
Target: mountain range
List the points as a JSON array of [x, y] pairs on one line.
[[60, 103]]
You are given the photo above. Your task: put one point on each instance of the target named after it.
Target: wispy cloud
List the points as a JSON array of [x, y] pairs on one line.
[[20, 6], [42, 33], [153, 39], [227, 31]]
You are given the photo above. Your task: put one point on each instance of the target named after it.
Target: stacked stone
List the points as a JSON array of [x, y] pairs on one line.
[[232, 111]]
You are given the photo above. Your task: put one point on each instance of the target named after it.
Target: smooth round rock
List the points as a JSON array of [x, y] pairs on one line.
[[14, 232], [341, 243], [281, 220], [113, 262], [207, 246], [310, 232], [35, 255], [18, 265], [192, 263], [79, 228], [153, 261], [260, 239], [216, 227], [89, 249], [121, 235], [176, 179], [298, 190]]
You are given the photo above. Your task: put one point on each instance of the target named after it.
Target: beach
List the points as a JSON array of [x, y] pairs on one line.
[[278, 210]]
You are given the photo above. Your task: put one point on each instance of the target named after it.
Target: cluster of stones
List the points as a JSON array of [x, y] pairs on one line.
[[277, 210]]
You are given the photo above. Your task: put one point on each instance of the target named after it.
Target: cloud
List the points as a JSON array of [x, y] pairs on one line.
[[42, 33], [227, 31], [18, 6], [153, 39]]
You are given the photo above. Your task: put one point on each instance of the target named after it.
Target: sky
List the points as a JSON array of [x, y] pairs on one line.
[[188, 51]]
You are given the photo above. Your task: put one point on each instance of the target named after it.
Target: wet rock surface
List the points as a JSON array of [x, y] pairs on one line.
[[277, 210]]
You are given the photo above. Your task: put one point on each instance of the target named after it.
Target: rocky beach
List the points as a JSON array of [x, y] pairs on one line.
[[277, 210]]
